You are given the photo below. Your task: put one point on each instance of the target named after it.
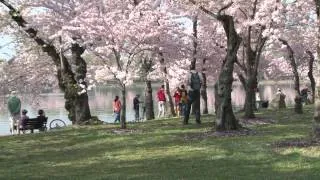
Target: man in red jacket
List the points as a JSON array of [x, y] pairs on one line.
[[161, 101]]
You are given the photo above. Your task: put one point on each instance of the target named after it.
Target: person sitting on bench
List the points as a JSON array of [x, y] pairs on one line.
[[22, 122], [41, 117]]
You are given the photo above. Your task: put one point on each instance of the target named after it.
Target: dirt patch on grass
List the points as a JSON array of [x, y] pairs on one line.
[[231, 133], [297, 143], [256, 121], [125, 131]]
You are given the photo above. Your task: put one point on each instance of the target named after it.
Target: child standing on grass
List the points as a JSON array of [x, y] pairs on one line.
[[183, 100]]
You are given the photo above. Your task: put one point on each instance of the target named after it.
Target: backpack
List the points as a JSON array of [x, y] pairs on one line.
[[195, 81]]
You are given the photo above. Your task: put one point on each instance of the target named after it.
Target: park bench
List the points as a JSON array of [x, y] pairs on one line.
[[262, 104], [35, 123]]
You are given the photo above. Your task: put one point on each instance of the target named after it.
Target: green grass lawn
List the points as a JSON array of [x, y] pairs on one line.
[[164, 149]]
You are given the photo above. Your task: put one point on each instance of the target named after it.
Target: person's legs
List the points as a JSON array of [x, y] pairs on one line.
[[180, 109], [12, 123], [186, 114], [177, 109], [159, 109], [163, 108], [188, 107], [197, 105], [137, 114]]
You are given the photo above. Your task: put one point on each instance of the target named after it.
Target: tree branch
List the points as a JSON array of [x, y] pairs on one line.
[[244, 13], [225, 7], [205, 10], [211, 13], [254, 9]]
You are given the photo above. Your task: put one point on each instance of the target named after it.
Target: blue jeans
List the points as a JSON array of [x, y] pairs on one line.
[[117, 117], [183, 108]]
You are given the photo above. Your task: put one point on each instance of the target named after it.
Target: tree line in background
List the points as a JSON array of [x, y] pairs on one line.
[[89, 42]]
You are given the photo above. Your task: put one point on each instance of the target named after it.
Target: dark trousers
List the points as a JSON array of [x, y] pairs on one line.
[[194, 98], [136, 114]]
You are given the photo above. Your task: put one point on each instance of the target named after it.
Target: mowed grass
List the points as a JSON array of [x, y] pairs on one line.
[[164, 149]]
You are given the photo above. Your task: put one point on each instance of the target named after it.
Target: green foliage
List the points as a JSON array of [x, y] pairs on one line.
[[164, 149]]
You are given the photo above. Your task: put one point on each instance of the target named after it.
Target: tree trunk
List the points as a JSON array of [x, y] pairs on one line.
[[123, 107], [146, 68], [195, 43], [251, 71], [81, 102], [298, 98], [194, 56], [225, 117], [249, 105], [316, 117], [167, 85], [204, 93], [168, 95], [310, 75], [149, 110], [67, 82], [250, 84]]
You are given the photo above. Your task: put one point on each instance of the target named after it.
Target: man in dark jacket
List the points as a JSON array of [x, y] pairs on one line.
[[194, 83], [136, 108]]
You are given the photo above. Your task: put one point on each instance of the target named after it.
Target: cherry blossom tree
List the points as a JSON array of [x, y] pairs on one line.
[[295, 42], [69, 79], [293, 64], [123, 38], [225, 116], [258, 19]]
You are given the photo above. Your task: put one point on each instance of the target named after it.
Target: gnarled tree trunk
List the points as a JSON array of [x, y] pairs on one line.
[[223, 87], [225, 119], [81, 101]]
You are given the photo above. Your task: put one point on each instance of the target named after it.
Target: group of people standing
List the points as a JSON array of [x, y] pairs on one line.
[[184, 98]]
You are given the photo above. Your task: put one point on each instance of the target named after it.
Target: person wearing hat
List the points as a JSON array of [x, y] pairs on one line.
[[136, 108], [14, 108]]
